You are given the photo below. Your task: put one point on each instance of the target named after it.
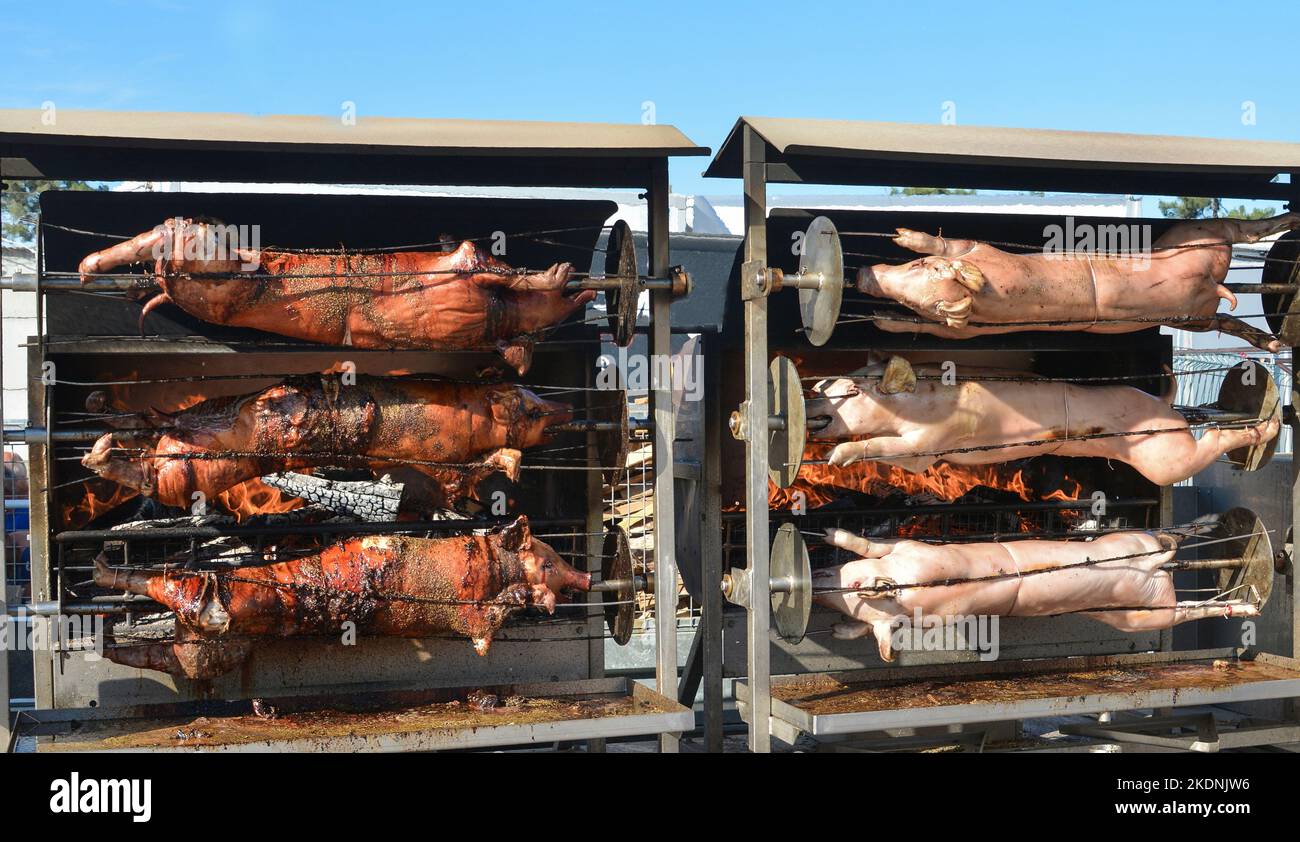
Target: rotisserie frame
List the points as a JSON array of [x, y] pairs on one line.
[[104, 146], [763, 151]]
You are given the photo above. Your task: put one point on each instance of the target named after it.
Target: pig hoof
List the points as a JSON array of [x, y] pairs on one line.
[[910, 240], [843, 455]]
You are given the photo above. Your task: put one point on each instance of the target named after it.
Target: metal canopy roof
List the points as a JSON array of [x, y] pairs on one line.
[[120, 145], [912, 155]]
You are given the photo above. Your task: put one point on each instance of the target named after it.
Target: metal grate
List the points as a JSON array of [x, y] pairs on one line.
[[631, 502]]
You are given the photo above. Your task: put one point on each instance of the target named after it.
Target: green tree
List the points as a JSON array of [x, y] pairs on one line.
[[1194, 207], [22, 201], [929, 191]]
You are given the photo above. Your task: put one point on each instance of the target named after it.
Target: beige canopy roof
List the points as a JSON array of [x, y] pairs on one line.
[[109, 145], [851, 152]]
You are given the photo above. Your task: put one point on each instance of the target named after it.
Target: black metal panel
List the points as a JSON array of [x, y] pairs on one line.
[[1059, 179], [710, 260], [126, 163]]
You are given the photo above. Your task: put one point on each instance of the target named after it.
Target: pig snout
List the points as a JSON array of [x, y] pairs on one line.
[[552, 577], [538, 415], [826, 410]]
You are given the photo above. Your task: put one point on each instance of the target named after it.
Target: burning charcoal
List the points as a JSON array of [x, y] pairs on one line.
[[367, 500]]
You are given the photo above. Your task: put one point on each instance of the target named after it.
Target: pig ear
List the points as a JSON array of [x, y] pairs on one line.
[[516, 536], [898, 377]]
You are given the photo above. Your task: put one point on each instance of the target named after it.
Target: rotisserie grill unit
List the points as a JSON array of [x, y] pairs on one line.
[[365, 451], [877, 478]]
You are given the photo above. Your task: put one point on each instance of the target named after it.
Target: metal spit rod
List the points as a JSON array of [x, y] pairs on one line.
[[41, 435], [644, 583], [678, 282]]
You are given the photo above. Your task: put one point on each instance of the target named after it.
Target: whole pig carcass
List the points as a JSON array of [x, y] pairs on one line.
[[387, 585], [965, 288], [454, 433], [891, 416], [1123, 570], [442, 301]]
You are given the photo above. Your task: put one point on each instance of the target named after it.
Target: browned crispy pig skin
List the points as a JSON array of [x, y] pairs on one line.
[[965, 288], [476, 430], [465, 299], [388, 585]]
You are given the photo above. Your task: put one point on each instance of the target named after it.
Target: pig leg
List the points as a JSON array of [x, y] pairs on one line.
[[1184, 613], [1254, 230], [493, 617], [850, 630], [882, 449], [1157, 459], [138, 249], [922, 243], [517, 353], [877, 616], [882, 630], [551, 280], [1137, 621], [846, 540], [1228, 230], [1234, 326]]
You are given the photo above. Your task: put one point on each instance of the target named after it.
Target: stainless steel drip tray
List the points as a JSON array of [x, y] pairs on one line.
[[426, 720], [828, 704]]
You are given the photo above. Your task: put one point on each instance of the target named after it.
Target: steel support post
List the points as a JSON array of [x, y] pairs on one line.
[[1292, 706], [665, 430], [711, 548], [755, 410]]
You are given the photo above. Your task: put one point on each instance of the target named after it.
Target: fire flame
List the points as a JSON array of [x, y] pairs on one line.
[[100, 496], [243, 501], [255, 497], [820, 484]]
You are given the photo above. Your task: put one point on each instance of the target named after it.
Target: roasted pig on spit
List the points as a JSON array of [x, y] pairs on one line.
[[454, 433], [964, 288], [441, 301], [890, 416], [1127, 576], [387, 585]]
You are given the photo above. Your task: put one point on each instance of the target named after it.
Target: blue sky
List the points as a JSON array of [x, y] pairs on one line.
[[1172, 68]]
